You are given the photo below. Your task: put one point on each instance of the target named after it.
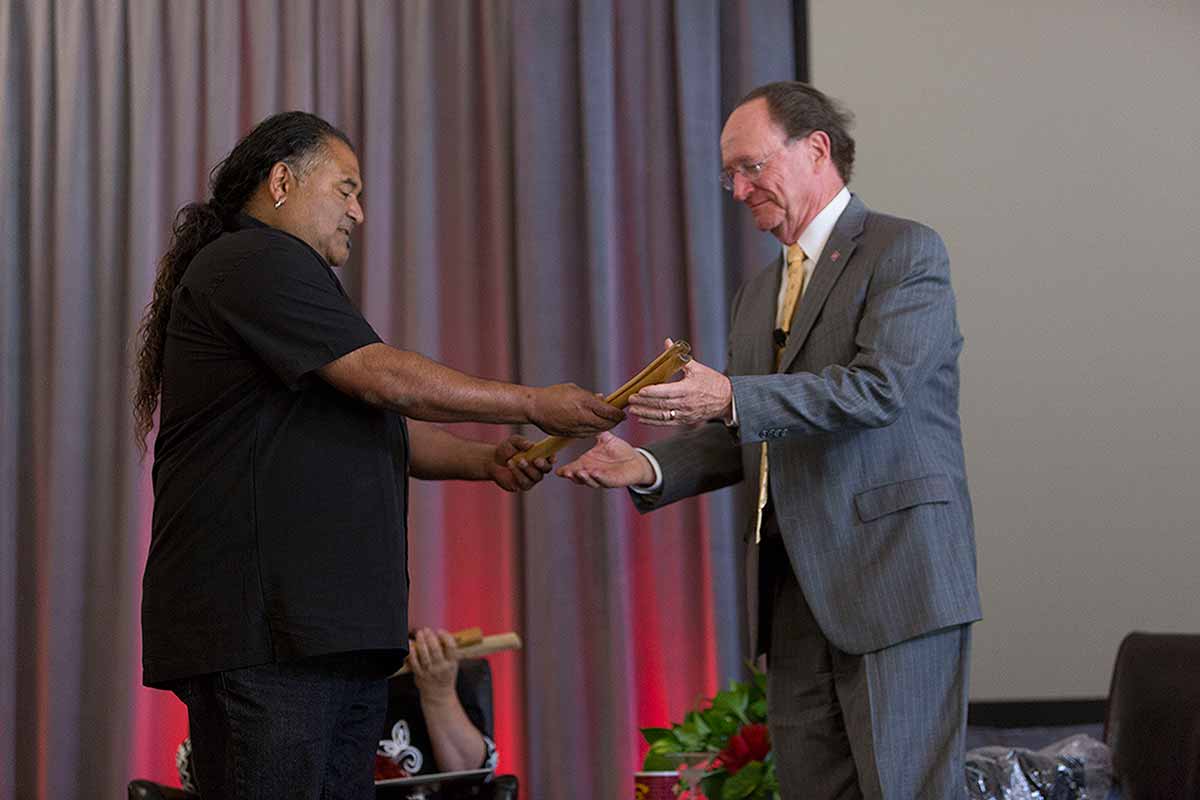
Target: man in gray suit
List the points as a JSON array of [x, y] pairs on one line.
[[840, 407]]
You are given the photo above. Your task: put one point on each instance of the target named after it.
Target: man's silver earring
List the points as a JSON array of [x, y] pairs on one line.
[[279, 202]]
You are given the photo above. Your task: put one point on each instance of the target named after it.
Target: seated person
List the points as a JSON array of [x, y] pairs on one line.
[[445, 736], [448, 735]]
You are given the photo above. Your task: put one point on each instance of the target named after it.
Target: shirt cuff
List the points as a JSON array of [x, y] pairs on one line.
[[654, 487]]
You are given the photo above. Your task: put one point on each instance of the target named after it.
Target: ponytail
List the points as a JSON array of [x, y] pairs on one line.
[[195, 226]]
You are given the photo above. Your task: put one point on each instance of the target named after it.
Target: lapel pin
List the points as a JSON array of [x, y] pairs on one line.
[[836, 254]]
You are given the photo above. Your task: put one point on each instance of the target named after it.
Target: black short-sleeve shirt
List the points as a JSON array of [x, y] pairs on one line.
[[279, 502]]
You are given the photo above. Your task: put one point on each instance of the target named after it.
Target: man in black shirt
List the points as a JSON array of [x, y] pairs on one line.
[[276, 586]]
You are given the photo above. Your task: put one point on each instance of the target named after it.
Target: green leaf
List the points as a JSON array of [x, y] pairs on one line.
[[745, 783], [691, 743], [770, 783], [733, 702], [723, 727], [661, 749], [695, 721], [758, 710], [666, 744], [731, 705], [712, 783], [652, 735], [658, 762]]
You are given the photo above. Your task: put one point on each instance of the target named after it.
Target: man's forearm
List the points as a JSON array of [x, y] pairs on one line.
[[700, 460], [436, 454], [421, 388]]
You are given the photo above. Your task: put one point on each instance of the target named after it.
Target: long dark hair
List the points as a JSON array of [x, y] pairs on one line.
[[292, 137]]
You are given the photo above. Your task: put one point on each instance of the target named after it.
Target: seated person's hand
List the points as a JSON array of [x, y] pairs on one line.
[[433, 659], [457, 743]]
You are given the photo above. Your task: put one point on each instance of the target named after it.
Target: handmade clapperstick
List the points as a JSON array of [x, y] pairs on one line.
[[659, 370], [492, 644], [473, 644]]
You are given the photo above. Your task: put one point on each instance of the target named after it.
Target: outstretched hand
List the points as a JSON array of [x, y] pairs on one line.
[[523, 475], [702, 394], [612, 464], [564, 409]]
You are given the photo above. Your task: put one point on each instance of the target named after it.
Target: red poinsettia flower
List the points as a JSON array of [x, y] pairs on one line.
[[751, 743]]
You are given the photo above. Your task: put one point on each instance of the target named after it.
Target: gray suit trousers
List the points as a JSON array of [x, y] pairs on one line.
[[884, 724]]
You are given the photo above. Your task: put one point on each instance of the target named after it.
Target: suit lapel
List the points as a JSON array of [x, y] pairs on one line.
[[764, 299], [837, 252]]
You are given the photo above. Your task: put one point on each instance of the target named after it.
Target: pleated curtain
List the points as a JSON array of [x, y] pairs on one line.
[[541, 206]]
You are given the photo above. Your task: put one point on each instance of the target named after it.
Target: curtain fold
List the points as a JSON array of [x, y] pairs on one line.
[[541, 206]]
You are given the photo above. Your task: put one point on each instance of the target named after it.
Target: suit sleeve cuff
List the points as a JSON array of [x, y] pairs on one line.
[[654, 487]]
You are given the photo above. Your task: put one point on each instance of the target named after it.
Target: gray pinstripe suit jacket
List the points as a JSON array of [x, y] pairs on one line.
[[867, 475]]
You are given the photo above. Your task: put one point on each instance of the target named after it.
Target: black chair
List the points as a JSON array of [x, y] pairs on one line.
[[149, 790], [474, 688], [502, 787], [1153, 718]]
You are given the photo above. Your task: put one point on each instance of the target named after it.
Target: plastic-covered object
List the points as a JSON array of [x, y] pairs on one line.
[[1075, 768]]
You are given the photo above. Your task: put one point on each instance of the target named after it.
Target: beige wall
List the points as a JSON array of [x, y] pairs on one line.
[[1056, 148]]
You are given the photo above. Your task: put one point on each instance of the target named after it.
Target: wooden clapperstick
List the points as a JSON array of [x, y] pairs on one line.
[[492, 644], [659, 370], [473, 644], [467, 637]]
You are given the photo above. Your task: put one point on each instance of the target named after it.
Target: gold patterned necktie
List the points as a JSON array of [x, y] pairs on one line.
[[783, 322]]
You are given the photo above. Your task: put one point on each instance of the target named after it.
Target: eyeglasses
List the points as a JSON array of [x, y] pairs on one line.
[[752, 172]]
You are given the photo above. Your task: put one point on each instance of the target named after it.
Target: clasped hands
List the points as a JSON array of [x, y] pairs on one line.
[[700, 395], [563, 409]]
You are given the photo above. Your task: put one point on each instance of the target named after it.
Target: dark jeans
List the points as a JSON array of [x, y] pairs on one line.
[[304, 729]]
